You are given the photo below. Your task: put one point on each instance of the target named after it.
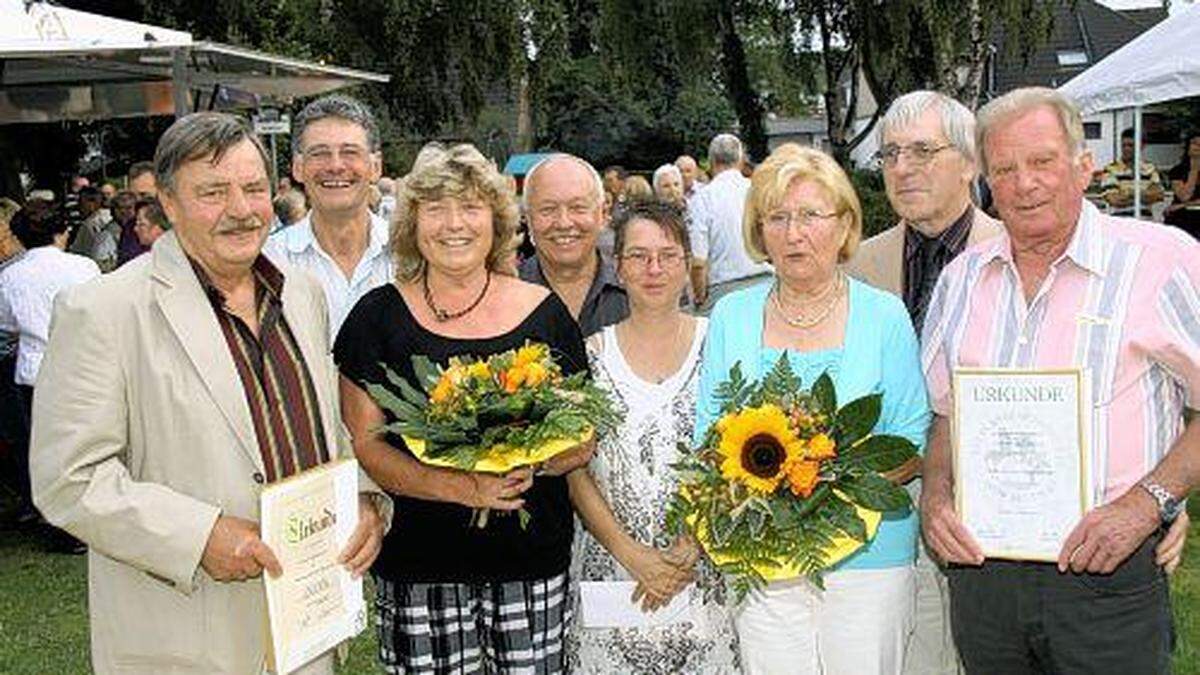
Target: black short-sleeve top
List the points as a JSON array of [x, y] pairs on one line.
[[432, 541]]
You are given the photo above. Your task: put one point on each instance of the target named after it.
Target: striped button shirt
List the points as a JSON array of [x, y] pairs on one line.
[[1121, 302], [279, 390]]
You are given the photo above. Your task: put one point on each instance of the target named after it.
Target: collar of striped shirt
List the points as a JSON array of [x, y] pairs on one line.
[[268, 276]]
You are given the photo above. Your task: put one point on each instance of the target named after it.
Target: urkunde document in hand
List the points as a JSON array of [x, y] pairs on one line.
[[315, 604], [1022, 444]]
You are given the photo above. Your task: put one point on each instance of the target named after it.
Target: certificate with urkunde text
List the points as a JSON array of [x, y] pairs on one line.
[[1021, 442], [307, 520]]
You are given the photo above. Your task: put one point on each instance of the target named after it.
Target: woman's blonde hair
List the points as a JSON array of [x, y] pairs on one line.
[[772, 179], [460, 171], [637, 187]]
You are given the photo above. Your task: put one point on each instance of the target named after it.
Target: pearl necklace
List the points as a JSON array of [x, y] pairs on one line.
[[830, 297]]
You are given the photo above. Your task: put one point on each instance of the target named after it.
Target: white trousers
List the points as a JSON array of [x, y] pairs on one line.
[[859, 625]]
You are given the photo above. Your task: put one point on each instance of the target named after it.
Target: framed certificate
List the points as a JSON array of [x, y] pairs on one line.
[[1021, 441], [315, 604]]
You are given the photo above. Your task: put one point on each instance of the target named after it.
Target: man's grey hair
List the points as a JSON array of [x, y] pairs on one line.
[[725, 149], [341, 107], [664, 170], [197, 136], [958, 123], [1020, 101], [597, 181]]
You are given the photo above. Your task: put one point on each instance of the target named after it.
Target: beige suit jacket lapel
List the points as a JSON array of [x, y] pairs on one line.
[[310, 332], [892, 260], [187, 311]]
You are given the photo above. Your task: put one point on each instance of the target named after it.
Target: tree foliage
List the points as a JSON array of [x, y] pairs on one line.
[[635, 82]]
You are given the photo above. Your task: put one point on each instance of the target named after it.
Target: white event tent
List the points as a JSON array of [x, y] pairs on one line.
[[1159, 65], [62, 64]]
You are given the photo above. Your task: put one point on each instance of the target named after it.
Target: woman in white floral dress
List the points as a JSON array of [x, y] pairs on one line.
[[650, 365]]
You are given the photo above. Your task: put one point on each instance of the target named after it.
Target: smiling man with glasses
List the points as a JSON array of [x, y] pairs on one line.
[[336, 156]]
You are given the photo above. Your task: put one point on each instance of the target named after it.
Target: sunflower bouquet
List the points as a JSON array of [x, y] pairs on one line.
[[786, 484], [493, 414]]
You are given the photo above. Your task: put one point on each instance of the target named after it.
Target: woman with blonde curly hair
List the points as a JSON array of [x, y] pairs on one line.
[[451, 597]]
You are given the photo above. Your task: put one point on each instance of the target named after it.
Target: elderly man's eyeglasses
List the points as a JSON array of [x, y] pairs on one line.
[[668, 258], [918, 153], [784, 219], [325, 154]]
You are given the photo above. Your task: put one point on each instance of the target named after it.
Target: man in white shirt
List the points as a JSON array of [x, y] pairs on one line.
[[27, 289], [720, 263], [336, 156]]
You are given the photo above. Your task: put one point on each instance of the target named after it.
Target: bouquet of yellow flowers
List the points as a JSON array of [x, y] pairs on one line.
[[785, 483], [496, 413]]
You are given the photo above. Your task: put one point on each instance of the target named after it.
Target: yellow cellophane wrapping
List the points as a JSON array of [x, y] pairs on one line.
[[501, 458], [842, 547]]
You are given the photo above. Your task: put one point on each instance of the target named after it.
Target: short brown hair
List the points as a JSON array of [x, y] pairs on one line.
[[200, 135], [771, 181], [461, 171], [662, 213]]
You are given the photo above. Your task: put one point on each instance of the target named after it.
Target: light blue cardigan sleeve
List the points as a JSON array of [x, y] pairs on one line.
[[713, 370], [905, 402]]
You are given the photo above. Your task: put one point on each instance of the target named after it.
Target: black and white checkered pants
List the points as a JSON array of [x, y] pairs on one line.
[[504, 627]]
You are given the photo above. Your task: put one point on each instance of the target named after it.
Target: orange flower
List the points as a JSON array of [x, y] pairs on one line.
[[802, 476], [514, 378], [443, 391], [821, 447]]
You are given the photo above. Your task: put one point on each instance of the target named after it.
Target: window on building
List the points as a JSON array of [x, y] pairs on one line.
[[1091, 131], [1072, 57]]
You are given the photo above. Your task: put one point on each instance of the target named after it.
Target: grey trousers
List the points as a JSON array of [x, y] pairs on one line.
[[1018, 617]]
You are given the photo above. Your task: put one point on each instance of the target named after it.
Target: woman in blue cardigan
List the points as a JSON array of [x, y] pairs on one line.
[[803, 216]]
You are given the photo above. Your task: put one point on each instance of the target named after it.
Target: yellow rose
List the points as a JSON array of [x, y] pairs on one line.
[[531, 353], [479, 370], [536, 374]]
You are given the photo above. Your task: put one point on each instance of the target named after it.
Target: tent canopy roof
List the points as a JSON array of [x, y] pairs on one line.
[[59, 63], [1159, 65]]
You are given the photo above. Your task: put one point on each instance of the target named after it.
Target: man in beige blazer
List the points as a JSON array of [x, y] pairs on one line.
[[927, 144], [147, 439]]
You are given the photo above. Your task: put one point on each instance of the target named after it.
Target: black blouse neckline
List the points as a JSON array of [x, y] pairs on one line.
[[412, 320]]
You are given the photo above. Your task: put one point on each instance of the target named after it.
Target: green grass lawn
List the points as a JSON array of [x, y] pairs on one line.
[[43, 614]]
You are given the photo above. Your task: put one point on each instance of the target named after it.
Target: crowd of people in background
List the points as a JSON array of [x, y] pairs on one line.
[[172, 343]]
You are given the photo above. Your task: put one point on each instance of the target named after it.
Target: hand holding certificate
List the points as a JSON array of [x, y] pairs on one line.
[[316, 603], [1021, 442]]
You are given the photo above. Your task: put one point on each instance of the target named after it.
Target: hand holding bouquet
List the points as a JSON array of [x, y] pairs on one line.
[[785, 483], [493, 414]]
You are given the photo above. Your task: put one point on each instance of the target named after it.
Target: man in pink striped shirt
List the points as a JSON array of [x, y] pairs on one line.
[[1067, 286]]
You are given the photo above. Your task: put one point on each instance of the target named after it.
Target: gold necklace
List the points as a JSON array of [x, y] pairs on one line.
[[799, 321]]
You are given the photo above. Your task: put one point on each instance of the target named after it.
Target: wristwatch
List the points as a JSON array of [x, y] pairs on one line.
[[1169, 506]]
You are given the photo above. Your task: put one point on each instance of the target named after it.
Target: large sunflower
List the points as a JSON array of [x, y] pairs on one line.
[[755, 444]]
